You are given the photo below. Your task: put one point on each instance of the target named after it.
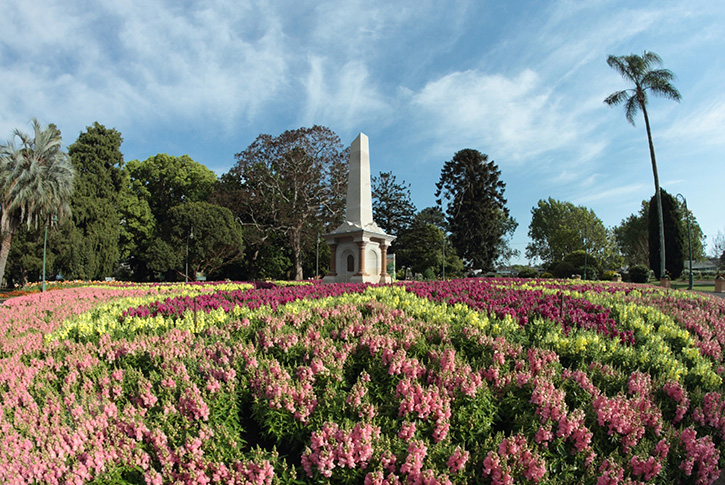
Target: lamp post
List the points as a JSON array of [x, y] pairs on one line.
[[317, 257], [45, 245], [586, 236], [190, 235], [444, 256], [689, 239]]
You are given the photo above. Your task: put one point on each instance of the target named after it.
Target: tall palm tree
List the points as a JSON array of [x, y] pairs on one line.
[[640, 71], [36, 182]]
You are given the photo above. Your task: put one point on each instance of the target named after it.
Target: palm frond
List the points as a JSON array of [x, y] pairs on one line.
[[616, 98], [631, 108]]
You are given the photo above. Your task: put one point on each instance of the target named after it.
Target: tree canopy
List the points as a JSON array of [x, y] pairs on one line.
[[393, 210], [475, 207], [213, 236], [633, 241], [99, 184], [559, 228], [36, 183], [165, 181], [292, 184]]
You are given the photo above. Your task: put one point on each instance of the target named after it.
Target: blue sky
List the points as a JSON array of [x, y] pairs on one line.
[[522, 81]]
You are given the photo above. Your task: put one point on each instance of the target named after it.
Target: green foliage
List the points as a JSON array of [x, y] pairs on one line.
[[632, 235], [577, 259], [165, 181], [293, 184], [25, 262], [563, 269], [528, 272], [639, 273], [429, 274], [99, 183], [560, 228], [609, 275], [675, 240], [158, 184], [393, 210], [213, 237], [421, 247], [475, 207], [36, 183]]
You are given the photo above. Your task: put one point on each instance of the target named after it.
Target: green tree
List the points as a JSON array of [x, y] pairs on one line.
[[165, 181], [393, 210], [99, 183], [422, 246], [675, 242], [293, 184], [36, 183], [559, 228], [433, 215], [632, 235], [475, 207], [213, 236], [157, 184], [640, 72]]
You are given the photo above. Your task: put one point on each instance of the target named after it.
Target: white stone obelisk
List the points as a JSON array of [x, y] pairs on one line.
[[358, 247], [359, 210]]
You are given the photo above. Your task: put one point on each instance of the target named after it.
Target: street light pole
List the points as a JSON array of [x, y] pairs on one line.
[[444, 256], [317, 257], [689, 239], [189, 235], [586, 236]]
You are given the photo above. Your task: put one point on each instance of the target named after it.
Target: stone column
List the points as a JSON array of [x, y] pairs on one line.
[[384, 261], [361, 259], [333, 259]]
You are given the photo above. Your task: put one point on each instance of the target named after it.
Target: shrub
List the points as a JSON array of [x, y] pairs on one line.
[[429, 274], [563, 269], [639, 274], [528, 272], [547, 275], [609, 275]]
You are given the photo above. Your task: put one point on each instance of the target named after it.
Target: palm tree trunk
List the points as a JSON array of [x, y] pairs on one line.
[[4, 251], [658, 196]]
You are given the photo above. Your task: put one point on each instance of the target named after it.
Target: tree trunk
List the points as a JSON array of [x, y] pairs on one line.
[[4, 251], [297, 252], [658, 196]]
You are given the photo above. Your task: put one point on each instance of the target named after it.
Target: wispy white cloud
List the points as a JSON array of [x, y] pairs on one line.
[[614, 193], [347, 99], [701, 126], [517, 116]]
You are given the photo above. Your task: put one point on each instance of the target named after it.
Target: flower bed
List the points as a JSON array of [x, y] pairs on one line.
[[492, 381]]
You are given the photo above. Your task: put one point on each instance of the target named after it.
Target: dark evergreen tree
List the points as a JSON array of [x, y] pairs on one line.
[[675, 240], [475, 207], [393, 210], [98, 163]]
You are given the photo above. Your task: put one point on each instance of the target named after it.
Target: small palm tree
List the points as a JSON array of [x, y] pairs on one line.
[[36, 182], [639, 71]]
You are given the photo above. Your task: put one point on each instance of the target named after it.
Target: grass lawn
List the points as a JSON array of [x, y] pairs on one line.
[[697, 285]]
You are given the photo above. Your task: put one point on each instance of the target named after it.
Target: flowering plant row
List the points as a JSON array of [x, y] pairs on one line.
[[491, 381]]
